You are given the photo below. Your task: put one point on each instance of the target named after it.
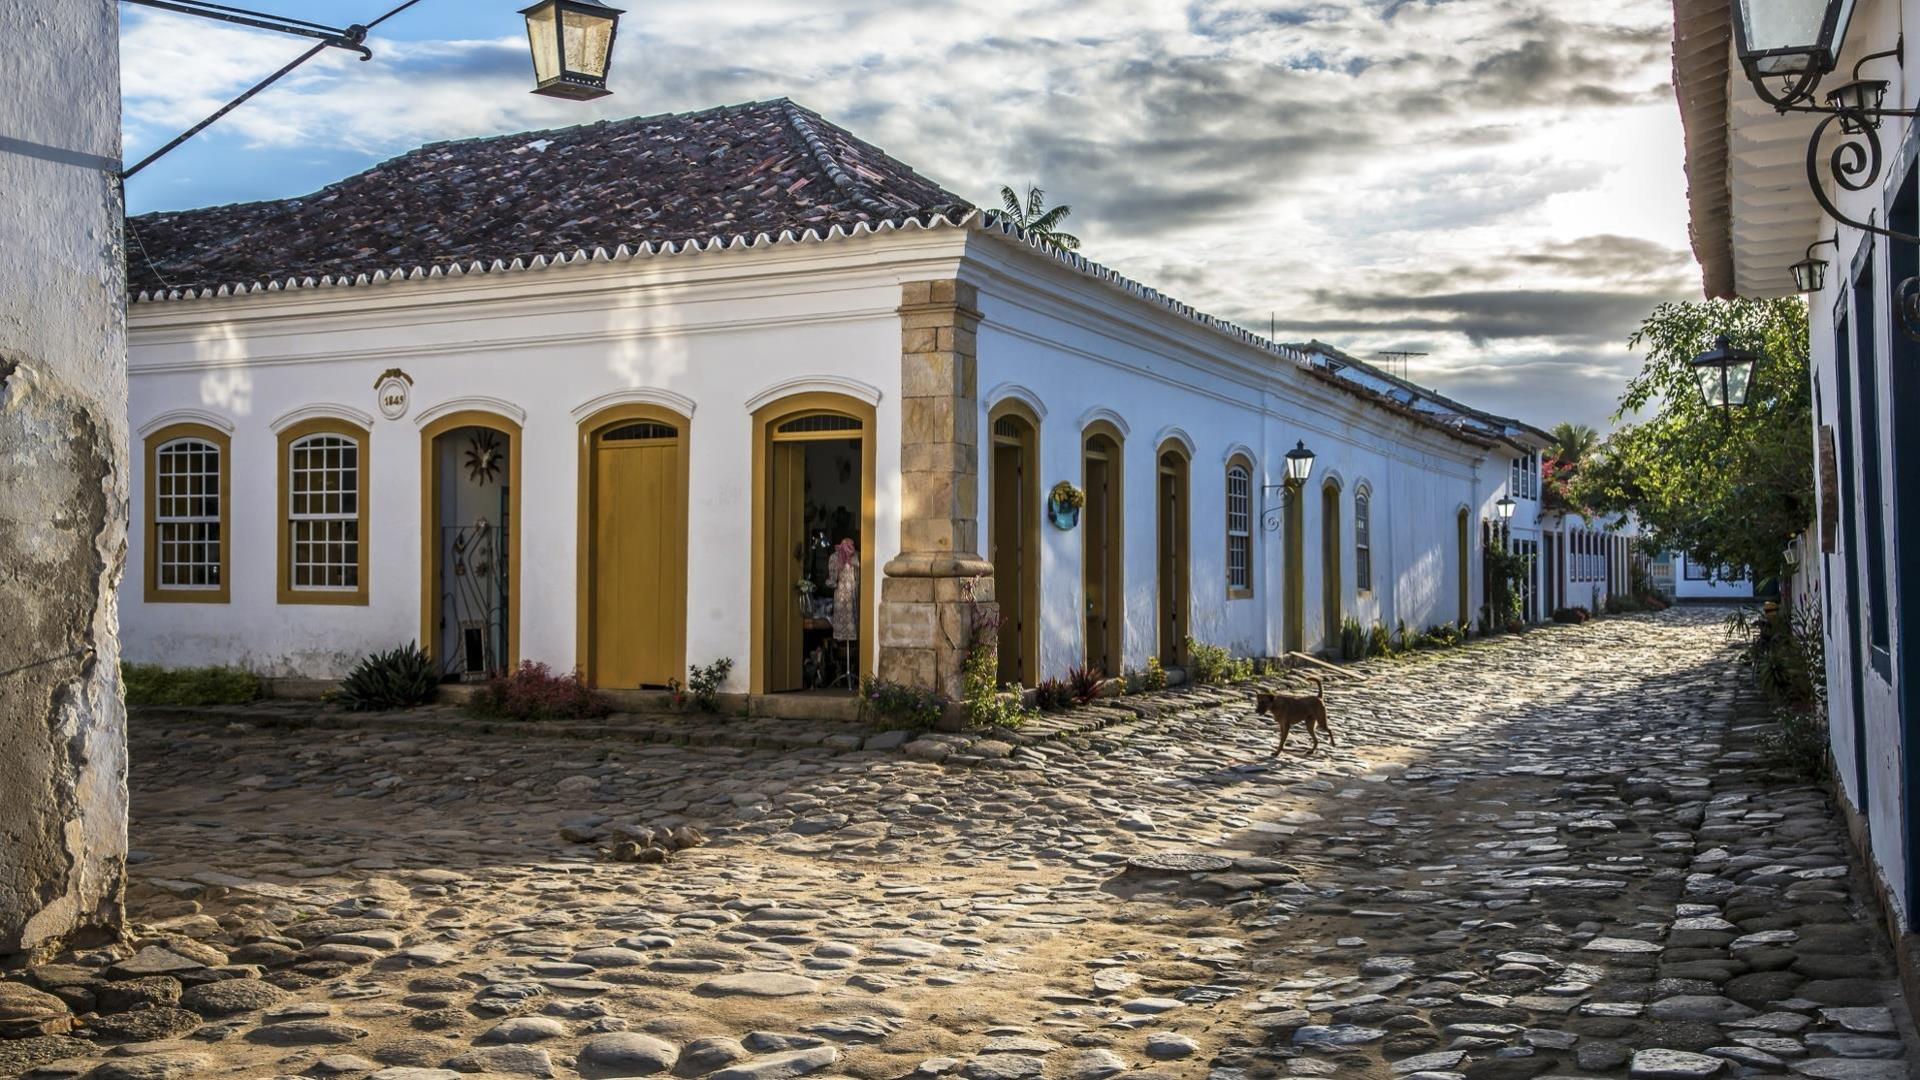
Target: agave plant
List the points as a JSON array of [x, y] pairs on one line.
[[1038, 220], [391, 680]]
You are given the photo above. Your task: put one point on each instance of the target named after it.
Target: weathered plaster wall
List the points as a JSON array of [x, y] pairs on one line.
[[63, 437]]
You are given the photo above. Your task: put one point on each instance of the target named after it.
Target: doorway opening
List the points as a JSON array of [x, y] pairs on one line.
[[1173, 577], [813, 512], [1294, 611], [1103, 537], [1331, 587], [1014, 543], [633, 547], [469, 608]]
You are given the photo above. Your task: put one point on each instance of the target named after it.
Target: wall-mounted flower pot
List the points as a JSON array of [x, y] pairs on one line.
[[1063, 517]]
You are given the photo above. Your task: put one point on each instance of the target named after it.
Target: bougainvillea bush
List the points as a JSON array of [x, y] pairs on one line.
[[534, 692]]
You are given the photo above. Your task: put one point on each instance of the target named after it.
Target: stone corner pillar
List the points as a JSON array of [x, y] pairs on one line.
[[936, 586]]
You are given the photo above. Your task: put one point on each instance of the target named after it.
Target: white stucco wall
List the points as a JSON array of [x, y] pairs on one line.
[[1082, 355], [716, 331], [1864, 713]]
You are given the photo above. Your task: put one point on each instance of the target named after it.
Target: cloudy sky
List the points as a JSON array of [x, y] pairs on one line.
[[1496, 183]]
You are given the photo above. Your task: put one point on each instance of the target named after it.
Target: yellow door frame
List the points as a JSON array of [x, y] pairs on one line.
[[1466, 601], [766, 419], [1332, 588], [590, 430], [1177, 609], [1028, 496], [1114, 528], [430, 526], [1293, 626]]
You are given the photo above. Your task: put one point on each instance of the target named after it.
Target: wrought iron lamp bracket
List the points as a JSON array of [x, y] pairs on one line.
[[1270, 515]]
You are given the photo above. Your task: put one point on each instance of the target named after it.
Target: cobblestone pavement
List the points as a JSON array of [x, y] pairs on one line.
[[1557, 854]]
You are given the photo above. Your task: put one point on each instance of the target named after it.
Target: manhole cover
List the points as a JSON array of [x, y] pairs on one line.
[[1182, 861]]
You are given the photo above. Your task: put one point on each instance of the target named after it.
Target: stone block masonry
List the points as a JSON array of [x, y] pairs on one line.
[[63, 479], [938, 584]]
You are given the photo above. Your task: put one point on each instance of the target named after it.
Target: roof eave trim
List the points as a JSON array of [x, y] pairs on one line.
[[1702, 45]]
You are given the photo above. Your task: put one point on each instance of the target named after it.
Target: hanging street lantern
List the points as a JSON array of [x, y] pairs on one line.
[[1299, 463], [1504, 509], [572, 43], [1810, 274], [1725, 374], [1792, 40]]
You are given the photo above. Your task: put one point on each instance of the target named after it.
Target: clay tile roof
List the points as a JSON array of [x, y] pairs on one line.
[[765, 166]]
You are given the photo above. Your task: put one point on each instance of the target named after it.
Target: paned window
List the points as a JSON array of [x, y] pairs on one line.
[[1363, 540], [1239, 529], [188, 538], [323, 512]]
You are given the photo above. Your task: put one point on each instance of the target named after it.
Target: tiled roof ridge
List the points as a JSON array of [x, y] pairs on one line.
[[801, 121]]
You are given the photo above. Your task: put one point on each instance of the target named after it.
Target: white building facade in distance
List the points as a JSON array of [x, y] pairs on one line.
[[648, 393]]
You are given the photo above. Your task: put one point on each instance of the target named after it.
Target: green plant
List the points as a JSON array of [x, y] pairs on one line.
[[1065, 495], [1207, 664], [534, 692], [1155, 677], [1089, 684], [151, 684], [1353, 639], [1379, 642], [1509, 572], [1036, 220], [1732, 486], [1787, 653], [1401, 636], [704, 683], [985, 705], [896, 705], [1053, 695], [1798, 742], [394, 679]]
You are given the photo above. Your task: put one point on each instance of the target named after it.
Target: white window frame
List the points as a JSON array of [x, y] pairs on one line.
[[349, 565], [212, 538], [1239, 522]]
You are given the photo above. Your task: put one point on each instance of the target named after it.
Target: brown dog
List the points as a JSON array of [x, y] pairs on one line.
[[1290, 709]]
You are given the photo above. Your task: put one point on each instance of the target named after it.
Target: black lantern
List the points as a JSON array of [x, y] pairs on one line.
[[572, 43], [1795, 40], [1299, 463], [1504, 509], [1725, 374], [1809, 275], [1858, 103]]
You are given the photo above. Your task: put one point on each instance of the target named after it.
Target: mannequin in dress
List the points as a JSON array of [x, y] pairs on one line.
[[843, 576]]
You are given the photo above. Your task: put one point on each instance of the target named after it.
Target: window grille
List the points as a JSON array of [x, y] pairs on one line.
[[1239, 529], [1363, 541], [645, 429], [324, 512], [820, 422], [187, 514]]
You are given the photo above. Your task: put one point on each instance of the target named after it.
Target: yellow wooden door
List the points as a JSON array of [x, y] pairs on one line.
[[1331, 586], [1173, 559], [638, 562], [1009, 573], [1096, 518], [786, 537]]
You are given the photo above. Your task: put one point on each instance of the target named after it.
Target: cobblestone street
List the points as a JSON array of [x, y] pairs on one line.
[[1553, 854]]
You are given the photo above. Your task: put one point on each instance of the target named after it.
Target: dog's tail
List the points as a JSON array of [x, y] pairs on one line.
[[1320, 688]]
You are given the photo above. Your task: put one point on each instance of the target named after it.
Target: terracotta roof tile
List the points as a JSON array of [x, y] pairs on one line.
[[764, 166]]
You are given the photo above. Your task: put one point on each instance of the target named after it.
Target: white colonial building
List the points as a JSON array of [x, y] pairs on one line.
[[1755, 213], [610, 396]]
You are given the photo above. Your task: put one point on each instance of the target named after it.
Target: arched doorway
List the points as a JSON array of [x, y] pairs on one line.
[[1294, 613], [1014, 542], [1173, 551], [1466, 594], [1103, 541], [632, 542], [470, 543], [1331, 586], [813, 486]]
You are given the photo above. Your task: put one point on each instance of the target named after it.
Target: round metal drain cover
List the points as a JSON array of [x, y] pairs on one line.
[[1180, 861]]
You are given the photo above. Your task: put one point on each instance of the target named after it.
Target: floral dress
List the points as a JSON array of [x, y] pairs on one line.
[[843, 573]]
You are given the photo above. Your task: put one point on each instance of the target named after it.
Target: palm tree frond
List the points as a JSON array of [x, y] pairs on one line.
[[1012, 202]]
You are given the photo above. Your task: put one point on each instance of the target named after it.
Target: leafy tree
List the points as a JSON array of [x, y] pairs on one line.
[[1727, 489], [1572, 442], [1037, 220]]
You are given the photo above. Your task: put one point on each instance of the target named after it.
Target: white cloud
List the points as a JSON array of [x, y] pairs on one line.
[[1303, 158]]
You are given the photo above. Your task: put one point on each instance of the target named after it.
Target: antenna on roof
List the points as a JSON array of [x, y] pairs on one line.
[[1401, 355]]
